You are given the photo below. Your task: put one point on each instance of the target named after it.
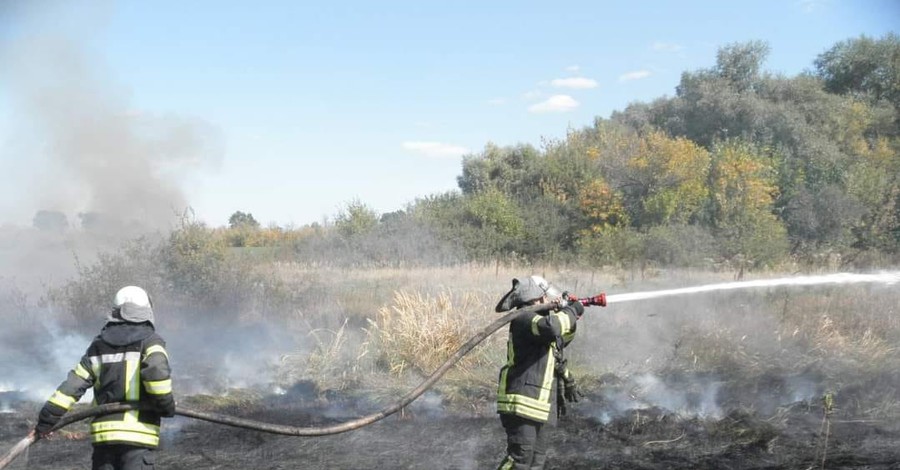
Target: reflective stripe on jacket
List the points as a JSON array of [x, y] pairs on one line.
[[527, 385]]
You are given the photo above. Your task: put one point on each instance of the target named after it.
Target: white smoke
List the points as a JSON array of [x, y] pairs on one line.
[[90, 151], [697, 398]]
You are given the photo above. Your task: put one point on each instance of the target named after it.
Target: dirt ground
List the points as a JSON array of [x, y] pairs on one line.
[[794, 437]]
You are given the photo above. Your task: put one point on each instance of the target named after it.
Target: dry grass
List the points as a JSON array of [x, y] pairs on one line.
[[418, 332], [410, 320], [332, 364]]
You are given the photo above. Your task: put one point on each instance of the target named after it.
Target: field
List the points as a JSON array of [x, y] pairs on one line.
[[774, 378]]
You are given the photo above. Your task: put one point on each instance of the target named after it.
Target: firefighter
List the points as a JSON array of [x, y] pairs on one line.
[[126, 363], [528, 397]]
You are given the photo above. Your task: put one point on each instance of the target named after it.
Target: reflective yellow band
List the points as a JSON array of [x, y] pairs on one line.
[[62, 400], [106, 426], [95, 367], [521, 400], [534, 325], [565, 326], [508, 464], [158, 387], [82, 372], [155, 349], [548, 375], [517, 409], [125, 436]]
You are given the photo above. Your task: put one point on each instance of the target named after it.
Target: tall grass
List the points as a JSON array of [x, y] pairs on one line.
[[362, 330], [418, 332]]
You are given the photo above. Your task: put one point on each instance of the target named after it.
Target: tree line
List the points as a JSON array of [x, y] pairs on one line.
[[741, 168]]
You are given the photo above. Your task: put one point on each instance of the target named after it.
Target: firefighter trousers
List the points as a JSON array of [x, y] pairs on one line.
[[526, 443], [123, 457]]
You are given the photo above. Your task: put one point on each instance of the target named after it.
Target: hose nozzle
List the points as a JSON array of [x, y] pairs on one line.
[[599, 300]]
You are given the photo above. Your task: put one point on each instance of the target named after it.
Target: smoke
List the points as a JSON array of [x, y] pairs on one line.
[[36, 358], [93, 152], [78, 147]]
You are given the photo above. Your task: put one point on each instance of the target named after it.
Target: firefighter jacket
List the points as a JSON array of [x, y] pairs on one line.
[[127, 362], [528, 380]]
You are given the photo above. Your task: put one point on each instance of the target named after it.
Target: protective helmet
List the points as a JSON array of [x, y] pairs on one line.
[[133, 305], [525, 291]]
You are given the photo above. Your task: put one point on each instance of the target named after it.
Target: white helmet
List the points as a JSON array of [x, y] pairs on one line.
[[132, 304], [525, 291]]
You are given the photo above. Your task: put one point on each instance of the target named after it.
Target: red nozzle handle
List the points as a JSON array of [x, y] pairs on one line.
[[599, 299]]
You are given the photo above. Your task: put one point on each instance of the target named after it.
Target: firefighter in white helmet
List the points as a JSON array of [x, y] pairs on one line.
[[528, 396], [126, 363]]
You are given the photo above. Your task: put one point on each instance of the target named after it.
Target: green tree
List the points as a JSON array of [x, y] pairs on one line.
[[355, 219], [864, 67], [242, 220], [512, 170], [499, 222], [739, 64], [194, 261]]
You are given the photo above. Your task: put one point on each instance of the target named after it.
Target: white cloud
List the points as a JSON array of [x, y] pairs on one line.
[[666, 46], [435, 149], [636, 75], [573, 68], [810, 6], [577, 83], [531, 95], [555, 104]]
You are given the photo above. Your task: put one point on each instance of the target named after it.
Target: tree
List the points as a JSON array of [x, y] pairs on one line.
[[498, 219], [242, 220], [739, 64], [512, 170], [602, 206], [669, 177], [742, 194], [865, 67], [355, 219], [194, 260], [50, 221]]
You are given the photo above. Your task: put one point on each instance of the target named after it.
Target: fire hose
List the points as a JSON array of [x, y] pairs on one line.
[[286, 430]]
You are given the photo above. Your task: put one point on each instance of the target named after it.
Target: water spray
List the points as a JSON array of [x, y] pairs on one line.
[[887, 278]]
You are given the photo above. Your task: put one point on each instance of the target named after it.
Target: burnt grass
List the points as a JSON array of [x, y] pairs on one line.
[[794, 436]]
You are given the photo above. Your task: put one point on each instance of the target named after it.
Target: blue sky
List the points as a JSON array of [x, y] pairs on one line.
[[308, 106]]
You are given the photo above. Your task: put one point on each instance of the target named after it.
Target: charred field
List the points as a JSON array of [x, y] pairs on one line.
[[797, 377], [797, 436]]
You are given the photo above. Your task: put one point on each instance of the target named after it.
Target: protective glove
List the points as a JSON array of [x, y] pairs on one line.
[[560, 403], [42, 430], [579, 309], [46, 420], [567, 300], [570, 391]]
